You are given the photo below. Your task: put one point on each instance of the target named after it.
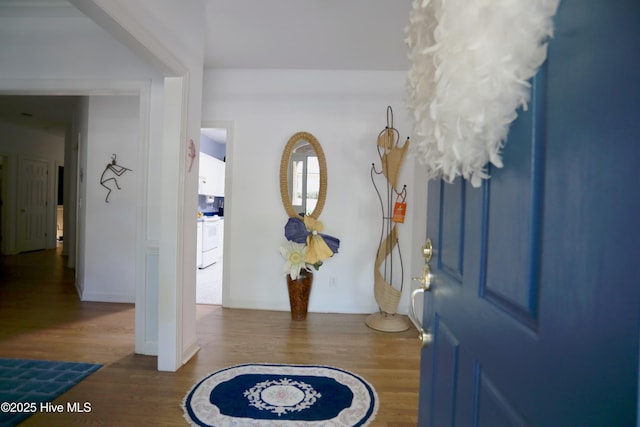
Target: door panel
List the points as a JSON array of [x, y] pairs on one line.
[[444, 375], [510, 227], [496, 409], [535, 303], [32, 196], [452, 230]]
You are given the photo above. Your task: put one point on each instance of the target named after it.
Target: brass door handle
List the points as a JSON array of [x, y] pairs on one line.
[[424, 336]]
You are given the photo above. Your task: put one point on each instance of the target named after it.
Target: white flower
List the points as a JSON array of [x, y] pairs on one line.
[[294, 254]]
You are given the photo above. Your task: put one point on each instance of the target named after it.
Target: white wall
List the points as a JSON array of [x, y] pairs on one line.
[[17, 142], [345, 111], [110, 233]]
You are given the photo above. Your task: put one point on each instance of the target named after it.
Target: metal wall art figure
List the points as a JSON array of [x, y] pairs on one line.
[[110, 176]]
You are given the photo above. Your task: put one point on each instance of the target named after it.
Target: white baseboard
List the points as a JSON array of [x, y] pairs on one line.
[[106, 297]]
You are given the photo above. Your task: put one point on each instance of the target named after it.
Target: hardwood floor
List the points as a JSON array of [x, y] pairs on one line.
[[42, 318]]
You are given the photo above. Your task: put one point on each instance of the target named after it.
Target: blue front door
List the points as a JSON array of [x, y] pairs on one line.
[[536, 300]]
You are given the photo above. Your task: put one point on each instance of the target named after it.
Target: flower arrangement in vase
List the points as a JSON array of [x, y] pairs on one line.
[[305, 249]]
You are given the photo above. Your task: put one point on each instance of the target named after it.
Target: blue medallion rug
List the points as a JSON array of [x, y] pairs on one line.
[[25, 384], [269, 395]]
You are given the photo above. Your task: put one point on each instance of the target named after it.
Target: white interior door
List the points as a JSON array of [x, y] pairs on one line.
[[32, 205]]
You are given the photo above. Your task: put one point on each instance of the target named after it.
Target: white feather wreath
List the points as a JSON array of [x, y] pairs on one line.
[[471, 61]]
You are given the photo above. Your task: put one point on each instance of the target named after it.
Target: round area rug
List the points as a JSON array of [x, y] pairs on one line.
[[263, 395]]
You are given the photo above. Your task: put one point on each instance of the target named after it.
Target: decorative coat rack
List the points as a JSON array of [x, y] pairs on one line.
[[393, 205]]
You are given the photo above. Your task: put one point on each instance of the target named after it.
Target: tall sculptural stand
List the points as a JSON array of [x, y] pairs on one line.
[[385, 272]]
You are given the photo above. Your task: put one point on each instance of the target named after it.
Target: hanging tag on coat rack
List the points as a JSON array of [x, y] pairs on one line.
[[399, 210]]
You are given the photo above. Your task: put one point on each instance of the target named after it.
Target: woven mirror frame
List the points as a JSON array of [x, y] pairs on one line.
[[284, 174]]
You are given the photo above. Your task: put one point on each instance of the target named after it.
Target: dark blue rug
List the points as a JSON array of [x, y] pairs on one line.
[[261, 395], [26, 384]]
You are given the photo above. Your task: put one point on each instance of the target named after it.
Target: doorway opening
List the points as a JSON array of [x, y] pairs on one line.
[[59, 204], [59, 118], [210, 221]]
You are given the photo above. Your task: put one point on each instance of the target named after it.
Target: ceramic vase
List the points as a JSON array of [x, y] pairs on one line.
[[299, 291]]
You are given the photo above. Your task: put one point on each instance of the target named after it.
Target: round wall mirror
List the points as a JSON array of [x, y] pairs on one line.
[[303, 176]]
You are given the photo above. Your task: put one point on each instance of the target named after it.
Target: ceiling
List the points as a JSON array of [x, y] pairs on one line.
[[258, 34], [307, 34], [48, 113]]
